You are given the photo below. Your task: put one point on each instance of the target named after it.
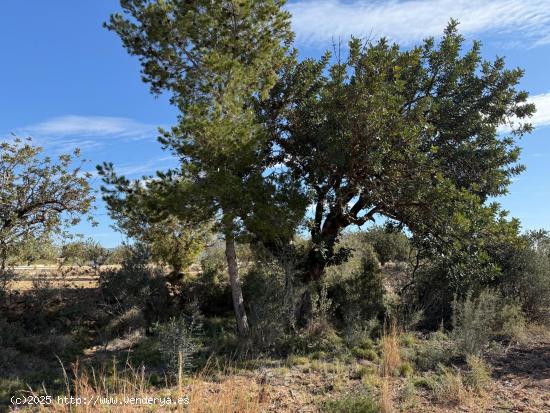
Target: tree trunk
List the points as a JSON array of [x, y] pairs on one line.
[[3, 258], [236, 290]]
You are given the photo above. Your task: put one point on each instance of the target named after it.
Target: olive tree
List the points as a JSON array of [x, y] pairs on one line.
[[39, 196]]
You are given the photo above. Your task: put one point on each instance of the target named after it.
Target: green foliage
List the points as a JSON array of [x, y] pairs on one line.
[[38, 196], [526, 274], [134, 206], [210, 289], [33, 250], [87, 252], [136, 285], [478, 376], [271, 306], [441, 275], [410, 135], [179, 342], [448, 385], [118, 255], [406, 369], [356, 289], [389, 245], [318, 336], [218, 60], [437, 349], [511, 321], [474, 322]]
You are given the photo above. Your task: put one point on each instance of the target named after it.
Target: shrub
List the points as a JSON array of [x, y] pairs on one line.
[[479, 374], [429, 299], [126, 322], [526, 275], [319, 334], [211, 287], [437, 349], [406, 369], [511, 321], [136, 284], [179, 342], [474, 322], [389, 244], [351, 404], [357, 292], [365, 354], [448, 386], [272, 300]]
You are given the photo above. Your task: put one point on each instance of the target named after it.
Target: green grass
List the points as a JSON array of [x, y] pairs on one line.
[[351, 404]]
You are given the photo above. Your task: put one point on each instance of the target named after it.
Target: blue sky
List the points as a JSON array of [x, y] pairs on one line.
[[67, 82]]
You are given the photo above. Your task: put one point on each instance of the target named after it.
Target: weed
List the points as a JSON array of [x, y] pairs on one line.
[[479, 374], [351, 404], [449, 386]]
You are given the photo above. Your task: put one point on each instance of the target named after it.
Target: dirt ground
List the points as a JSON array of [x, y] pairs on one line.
[[521, 384]]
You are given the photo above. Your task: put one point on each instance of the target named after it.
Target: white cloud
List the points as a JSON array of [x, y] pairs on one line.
[[65, 133], [148, 167], [92, 127], [541, 117], [407, 22]]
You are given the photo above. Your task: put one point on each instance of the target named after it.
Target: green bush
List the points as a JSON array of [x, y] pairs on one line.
[[474, 321], [210, 289], [511, 321], [271, 304], [136, 284], [388, 243], [357, 292], [526, 275], [179, 341], [436, 350]]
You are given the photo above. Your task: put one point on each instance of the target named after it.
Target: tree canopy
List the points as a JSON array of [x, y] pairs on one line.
[[38, 196], [415, 136]]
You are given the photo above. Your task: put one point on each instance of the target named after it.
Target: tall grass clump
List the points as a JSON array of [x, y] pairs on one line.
[[391, 356], [479, 374]]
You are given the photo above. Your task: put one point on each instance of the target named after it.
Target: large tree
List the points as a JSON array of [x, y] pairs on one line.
[[217, 59], [420, 137], [38, 195]]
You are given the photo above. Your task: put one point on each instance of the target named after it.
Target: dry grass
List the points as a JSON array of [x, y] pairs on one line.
[[386, 405], [98, 391], [391, 357], [449, 388], [391, 360]]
